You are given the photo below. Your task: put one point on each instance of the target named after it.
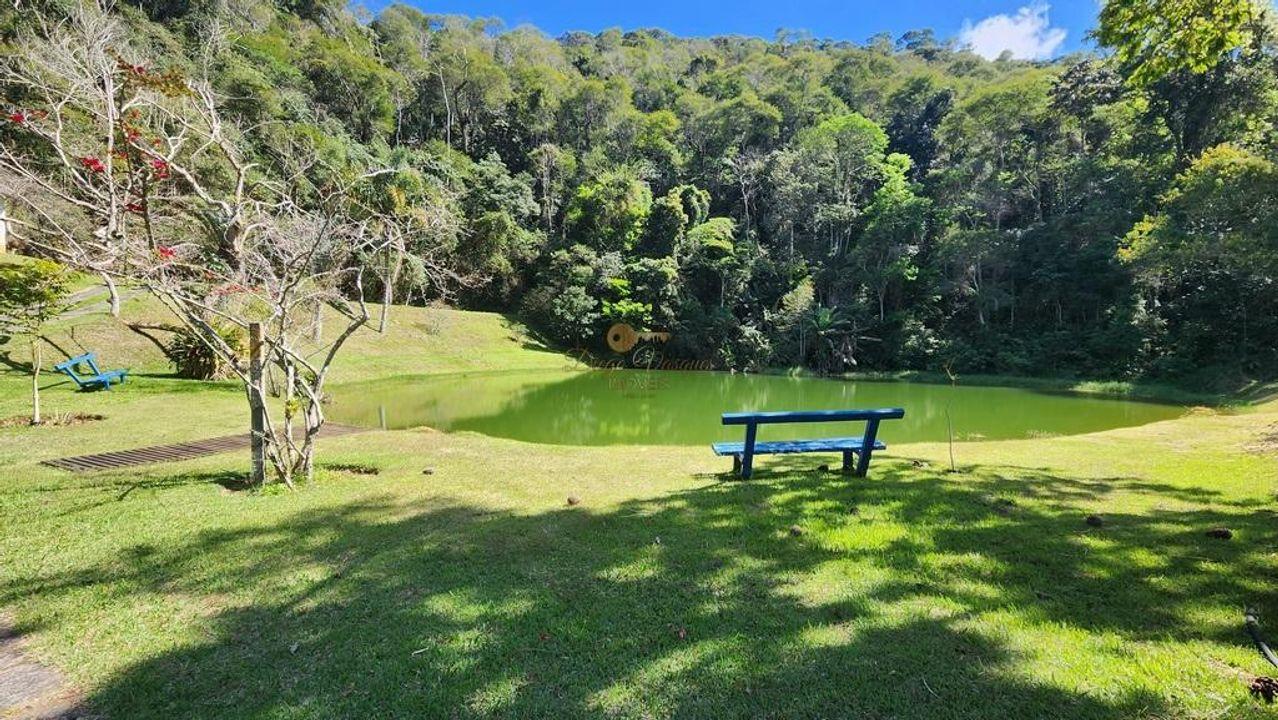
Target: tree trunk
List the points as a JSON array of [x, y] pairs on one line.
[[257, 407], [317, 325], [1245, 338], [448, 110], [290, 399], [388, 292], [35, 381], [314, 421], [113, 294], [1011, 309]]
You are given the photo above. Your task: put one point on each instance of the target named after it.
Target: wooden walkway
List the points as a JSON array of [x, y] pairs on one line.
[[173, 453]]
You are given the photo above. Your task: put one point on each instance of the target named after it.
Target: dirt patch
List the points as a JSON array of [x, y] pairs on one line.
[[28, 689], [352, 468], [55, 420], [1266, 443]]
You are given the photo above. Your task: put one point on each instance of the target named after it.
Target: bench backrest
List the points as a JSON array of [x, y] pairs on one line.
[[811, 416], [69, 366]]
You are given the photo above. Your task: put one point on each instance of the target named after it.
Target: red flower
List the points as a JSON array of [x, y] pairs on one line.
[[139, 208], [165, 252], [161, 168], [92, 164], [230, 289], [19, 117]]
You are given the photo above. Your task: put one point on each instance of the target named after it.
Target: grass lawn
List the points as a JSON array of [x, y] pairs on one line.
[[477, 591]]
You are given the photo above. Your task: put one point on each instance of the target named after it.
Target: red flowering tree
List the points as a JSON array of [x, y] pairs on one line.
[[130, 172]]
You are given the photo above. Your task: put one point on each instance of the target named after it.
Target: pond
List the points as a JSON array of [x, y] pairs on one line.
[[633, 407]]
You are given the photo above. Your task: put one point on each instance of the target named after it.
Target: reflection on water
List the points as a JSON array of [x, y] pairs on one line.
[[611, 407]]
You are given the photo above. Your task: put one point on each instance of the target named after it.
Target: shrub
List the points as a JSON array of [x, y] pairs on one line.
[[192, 358]]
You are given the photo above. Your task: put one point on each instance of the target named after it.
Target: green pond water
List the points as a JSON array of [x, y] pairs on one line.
[[625, 407]]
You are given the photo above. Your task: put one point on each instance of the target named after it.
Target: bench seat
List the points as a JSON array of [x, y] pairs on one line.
[[778, 447], [105, 379]]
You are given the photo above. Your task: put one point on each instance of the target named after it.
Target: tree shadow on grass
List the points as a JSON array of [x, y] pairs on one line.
[[528, 338], [230, 480], [99, 490], [695, 604]]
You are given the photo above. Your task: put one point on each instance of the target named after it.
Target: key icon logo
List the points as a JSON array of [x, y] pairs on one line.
[[622, 338]]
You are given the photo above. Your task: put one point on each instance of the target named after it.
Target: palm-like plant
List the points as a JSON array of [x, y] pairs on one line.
[[836, 338]]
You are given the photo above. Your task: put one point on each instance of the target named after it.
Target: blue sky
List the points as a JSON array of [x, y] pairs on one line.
[[1030, 29]]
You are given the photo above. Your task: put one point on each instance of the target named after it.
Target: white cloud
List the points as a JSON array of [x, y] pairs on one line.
[[1028, 34]]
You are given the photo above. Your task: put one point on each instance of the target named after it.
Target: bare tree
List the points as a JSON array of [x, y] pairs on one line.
[[417, 235], [549, 161], [131, 173], [745, 170]]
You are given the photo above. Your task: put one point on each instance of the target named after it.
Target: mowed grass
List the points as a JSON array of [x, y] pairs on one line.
[[668, 591]]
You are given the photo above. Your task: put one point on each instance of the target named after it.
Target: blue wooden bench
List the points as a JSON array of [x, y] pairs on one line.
[[86, 381], [743, 452]]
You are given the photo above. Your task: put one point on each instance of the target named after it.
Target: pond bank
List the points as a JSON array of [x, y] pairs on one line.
[[1251, 393]]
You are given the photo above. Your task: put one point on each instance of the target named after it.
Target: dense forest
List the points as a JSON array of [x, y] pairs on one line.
[[893, 204]]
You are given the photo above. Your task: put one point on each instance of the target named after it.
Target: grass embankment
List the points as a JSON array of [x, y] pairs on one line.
[[1239, 394], [475, 590]]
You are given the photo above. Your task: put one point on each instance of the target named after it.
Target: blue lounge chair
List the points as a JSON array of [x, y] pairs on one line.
[[85, 381]]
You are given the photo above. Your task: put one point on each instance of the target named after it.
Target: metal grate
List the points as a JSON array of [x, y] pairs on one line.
[[173, 453]]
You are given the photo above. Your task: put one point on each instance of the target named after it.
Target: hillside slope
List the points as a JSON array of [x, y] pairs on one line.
[[427, 340], [417, 340]]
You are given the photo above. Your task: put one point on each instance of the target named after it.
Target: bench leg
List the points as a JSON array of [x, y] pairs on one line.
[[847, 462], [747, 460], [867, 447], [736, 464], [862, 463]]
